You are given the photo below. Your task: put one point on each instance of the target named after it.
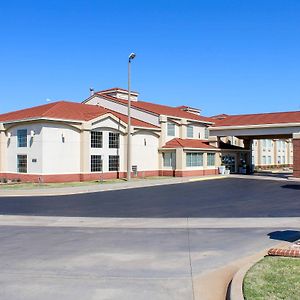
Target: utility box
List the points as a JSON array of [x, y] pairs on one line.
[[135, 170]]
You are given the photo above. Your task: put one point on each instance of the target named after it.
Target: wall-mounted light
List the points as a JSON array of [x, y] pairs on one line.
[[62, 137], [32, 133], [9, 135]]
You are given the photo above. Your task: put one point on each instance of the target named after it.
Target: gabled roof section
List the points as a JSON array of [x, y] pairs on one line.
[[258, 119], [159, 109], [64, 110], [188, 143], [220, 117], [114, 89]]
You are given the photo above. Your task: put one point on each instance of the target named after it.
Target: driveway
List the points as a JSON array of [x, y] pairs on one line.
[[214, 198], [85, 247]]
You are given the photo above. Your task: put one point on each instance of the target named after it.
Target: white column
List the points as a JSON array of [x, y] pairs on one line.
[[3, 146]]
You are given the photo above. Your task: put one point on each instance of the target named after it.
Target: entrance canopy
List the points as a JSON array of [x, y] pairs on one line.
[[261, 126], [257, 126]]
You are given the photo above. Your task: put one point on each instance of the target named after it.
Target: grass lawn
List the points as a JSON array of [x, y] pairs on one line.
[[273, 278], [29, 186]]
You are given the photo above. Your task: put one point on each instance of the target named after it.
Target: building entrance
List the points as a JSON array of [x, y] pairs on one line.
[[229, 161]]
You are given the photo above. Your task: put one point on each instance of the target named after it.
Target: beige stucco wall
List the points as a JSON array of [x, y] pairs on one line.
[[33, 149], [145, 151], [60, 149]]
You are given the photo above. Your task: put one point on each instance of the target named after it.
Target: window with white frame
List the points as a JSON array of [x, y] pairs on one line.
[[96, 139], [206, 133], [264, 160], [22, 138], [194, 159], [114, 140], [22, 163], [211, 158], [190, 131], [96, 163], [113, 163], [171, 129]]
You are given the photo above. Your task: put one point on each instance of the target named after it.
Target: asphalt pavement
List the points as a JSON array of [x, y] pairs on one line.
[[229, 197]]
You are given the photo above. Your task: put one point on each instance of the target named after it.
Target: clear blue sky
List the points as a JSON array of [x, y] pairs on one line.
[[228, 56]]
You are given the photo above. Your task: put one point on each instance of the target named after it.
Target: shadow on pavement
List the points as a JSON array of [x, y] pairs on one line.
[[285, 235], [291, 186]]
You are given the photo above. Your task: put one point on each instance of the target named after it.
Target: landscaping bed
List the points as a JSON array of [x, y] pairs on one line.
[[273, 278]]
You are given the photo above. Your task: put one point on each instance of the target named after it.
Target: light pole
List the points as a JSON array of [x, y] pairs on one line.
[[131, 57]]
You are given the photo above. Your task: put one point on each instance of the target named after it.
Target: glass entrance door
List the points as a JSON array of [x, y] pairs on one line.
[[229, 161]]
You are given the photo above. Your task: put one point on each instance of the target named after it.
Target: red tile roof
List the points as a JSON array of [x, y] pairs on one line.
[[259, 119], [67, 111], [188, 143], [159, 109]]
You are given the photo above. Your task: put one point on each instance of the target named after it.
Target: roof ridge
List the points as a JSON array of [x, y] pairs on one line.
[[263, 113], [180, 140], [52, 107], [133, 103], [24, 109]]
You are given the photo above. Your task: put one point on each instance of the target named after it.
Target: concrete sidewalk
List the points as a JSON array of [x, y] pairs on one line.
[[135, 183]]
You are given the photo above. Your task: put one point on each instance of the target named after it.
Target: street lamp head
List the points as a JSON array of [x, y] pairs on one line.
[[131, 56]]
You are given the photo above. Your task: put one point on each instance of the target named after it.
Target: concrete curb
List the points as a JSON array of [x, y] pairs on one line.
[[236, 286]]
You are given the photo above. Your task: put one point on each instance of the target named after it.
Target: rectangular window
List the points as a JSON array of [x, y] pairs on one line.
[[206, 133], [269, 160], [190, 131], [114, 140], [22, 137], [278, 144], [22, 163], [167, 157], [283, 160], [113, 163], [269, 143], [264, 161], [96, 139], [210, 159], [194, 159], [171, 129], [96, 163]]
